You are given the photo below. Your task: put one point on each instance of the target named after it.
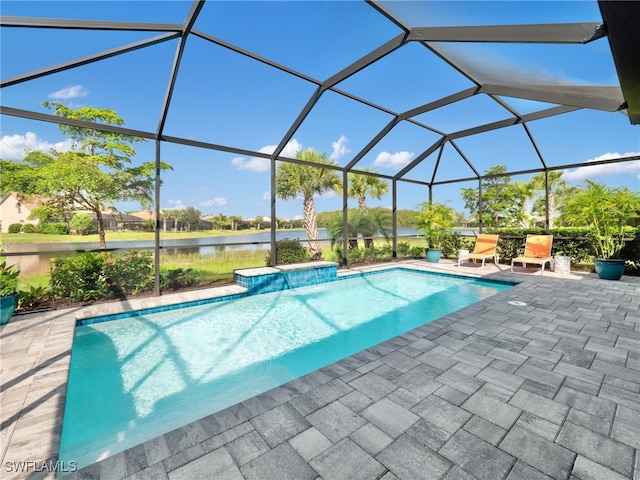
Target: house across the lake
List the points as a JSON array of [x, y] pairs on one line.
[[16, 210]]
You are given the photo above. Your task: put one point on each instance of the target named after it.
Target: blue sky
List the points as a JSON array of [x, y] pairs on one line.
[[225, 98]]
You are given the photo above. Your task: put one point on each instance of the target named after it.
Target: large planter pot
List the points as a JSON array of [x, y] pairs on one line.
[[610, 268], [433, 254], [7, 307]]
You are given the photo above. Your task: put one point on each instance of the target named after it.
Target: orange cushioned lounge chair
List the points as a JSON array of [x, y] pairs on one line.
[[485, 248], [537, 251]]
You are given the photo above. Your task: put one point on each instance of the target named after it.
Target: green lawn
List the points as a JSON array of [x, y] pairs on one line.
[[125, 236]]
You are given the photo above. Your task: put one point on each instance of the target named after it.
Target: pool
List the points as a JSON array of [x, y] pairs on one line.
[[135, 378]]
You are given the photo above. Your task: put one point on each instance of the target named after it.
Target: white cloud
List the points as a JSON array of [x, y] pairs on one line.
[[214, 202], [74, 91], [289, 150], [339, 148], [258, 164], [12, 147], [266, 196], [176, 204], [585, 172], [393, 160], [255, 164]]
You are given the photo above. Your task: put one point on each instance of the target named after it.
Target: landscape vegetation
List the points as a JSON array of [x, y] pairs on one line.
[[75, 187]]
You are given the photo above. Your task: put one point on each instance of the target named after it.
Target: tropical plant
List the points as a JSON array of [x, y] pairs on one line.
[[369, 224], [607, 211], [557, 187], [93, 176], [33, 297], [221, 220], [294, 180], [361, 186], [435, 221], [8, 278]]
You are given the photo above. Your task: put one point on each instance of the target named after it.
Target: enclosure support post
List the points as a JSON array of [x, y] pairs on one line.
[[156, 244], [480, 205], [273, 258], [394, 218], [345, 217], [547, 222]]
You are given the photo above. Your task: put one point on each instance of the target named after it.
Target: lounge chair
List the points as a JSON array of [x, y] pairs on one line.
[[485, 247], [537, 251]]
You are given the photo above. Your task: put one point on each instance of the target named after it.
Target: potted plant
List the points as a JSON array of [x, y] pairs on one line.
[[435, 221], [9, 293], [607, 211]]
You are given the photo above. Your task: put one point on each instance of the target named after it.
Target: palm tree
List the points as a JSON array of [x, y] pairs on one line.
[[164, 216], [361, 185], [235, 220], [557, 187], [221, 220], [375, 222], [294, 180]]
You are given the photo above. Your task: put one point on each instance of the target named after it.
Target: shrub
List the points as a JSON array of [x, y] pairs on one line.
[[573, 242], [290, 251], [52, 228], [177, 278], [384, 253], [79, 277], [82, 223], [403, 250], [34, 297], [631, 252], [93, 276], [29, 228], [15, 228], [148, 226], [129, 273], [452, 242]]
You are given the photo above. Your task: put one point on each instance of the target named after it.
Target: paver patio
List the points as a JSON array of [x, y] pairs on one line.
[[493, 391]]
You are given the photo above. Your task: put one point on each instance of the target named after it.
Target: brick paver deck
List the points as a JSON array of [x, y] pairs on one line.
[[550, 390]]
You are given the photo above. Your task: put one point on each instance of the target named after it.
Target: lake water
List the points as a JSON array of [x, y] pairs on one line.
[[204, 246]]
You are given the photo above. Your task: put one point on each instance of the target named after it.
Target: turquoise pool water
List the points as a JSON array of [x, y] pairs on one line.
[[136, 378]]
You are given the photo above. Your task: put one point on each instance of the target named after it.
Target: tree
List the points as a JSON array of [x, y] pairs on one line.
[[258, 222], [374, 222], [191, 217], [361, 186], [164, 216], [94, 175], [293, 180], [503, 202], [557, 188], [220, 220], [235, 221], [82, 223]]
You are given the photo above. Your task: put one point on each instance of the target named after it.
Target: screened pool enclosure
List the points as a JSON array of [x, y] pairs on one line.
[[423, 95]]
